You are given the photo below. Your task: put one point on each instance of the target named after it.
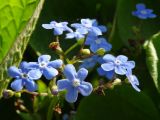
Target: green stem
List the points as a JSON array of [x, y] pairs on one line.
[[71, 48], [52, 105]]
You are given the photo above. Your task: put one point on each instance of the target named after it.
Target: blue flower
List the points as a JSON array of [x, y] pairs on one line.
[[91, 26], [59, 28], [142, 12], [23, 77], [97, 43], [89, 62], [119, 64], [74, 83], [133, 80], [45, 66], [78, 34]]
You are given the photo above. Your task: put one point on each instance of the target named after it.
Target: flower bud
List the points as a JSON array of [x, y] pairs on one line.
[[17, 94], [117, 81], [54, 90], [101, 51], [55, 47], [8, 93], [85, 52]]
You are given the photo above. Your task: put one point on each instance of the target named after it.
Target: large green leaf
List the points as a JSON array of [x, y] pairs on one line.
[[17, 21], [121, 103], [125, 22], [152, 47]]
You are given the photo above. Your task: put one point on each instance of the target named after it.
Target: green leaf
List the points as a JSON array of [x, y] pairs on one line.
[[125, 22], [152, 47], [121, 103], [17, 21]]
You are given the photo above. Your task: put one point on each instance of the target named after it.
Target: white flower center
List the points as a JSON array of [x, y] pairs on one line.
[[143, 12], [76, 82], [23, 75], [42, 64], [98, 41], [117, 62]]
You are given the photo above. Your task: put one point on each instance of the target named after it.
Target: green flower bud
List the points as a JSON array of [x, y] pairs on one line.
[[85, 52], [17, 94], [101, 51], [54, 90], [117, 81]]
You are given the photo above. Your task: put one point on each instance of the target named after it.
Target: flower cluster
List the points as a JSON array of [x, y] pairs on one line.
[[74, 82]]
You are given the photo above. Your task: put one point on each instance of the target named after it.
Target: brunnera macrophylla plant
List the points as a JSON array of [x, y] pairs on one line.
[[70, 74], [93, 53]]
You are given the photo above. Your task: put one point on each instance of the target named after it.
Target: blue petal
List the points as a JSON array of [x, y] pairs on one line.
[[100, 71], [152, 16], [82, 30], [102, 28], [76, 25], [70, 35], [130, 64], [133, 80], [24, 66], [121, 70], [17, 85], [70, 72], [71, 95], [44, 58], [33, 65], [94, 47], [68, 29], [110, 74], [14, 72], [34, 74], [49, 72], [90, 39], [63, 84], [122, 58], [47, 26], [56, 63], [82, 74], [58, 31], [96, 31], [141, 16], [140, 6], [85, 88], [109, 58], [30, 85], [108, 66]]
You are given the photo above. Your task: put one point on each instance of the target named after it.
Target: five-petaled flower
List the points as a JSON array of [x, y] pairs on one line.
[[119, 64], [45, 66], [91, 26], [97, 43], [74, 83], [59, 28], [142, 12], [23, 77]]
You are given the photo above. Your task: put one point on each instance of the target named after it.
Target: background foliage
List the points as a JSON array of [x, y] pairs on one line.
[[17, 21]]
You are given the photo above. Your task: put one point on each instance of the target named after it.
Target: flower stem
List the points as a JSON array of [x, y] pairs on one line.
[[71, 48]]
